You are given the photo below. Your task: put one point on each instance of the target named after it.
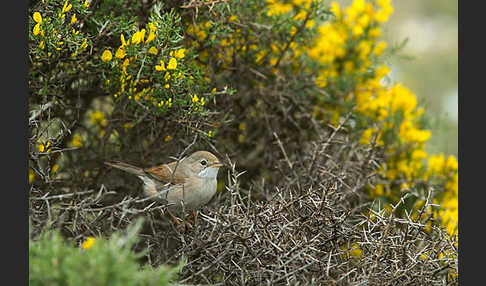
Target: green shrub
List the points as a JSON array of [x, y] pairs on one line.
[[97, 261]]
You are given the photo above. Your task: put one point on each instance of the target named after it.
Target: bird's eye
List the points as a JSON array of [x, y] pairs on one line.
[[203, 162]]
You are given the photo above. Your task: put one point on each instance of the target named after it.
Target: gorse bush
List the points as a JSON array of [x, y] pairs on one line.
[[337, 186], [97, 261]]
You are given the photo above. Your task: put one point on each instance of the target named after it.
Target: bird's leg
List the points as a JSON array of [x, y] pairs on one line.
[[173, 216], [193, 214]]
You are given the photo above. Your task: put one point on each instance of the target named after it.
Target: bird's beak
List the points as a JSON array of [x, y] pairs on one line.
[[217, 165]]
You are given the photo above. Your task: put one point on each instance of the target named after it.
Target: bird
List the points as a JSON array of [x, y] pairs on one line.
[[185, 185]]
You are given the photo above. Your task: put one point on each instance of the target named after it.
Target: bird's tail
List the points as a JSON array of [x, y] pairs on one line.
[[127, 168]]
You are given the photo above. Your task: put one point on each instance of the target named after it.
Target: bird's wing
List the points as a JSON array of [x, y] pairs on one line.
[[164, 173]]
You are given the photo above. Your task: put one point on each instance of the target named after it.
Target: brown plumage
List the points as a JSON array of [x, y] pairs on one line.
[[186, 185]]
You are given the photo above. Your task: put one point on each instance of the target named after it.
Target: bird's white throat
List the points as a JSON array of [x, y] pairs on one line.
[[209, 173]]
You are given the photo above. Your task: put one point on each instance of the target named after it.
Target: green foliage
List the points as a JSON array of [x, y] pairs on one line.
[[54, 261]]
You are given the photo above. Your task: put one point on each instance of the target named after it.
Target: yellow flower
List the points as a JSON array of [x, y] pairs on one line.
[[98, 118], [167, 138], [335, 9], [150, 37], [160, 67], [31, 176], [436, 164], [66, 7], [77, 140], [172, 64], [180, 53], [73, 19], [374, 32], [86, 3], [88, 242], [84, 45], [122, 39], [54, 168], [153, 50], [106, 56], [167, 86], [408, 133], [44, 147], [36, 29], [451, 163], [41, 45], [378, 50], [276, 8], [137, 37], [152, 27], [120, 53], [195, 98], [142, 34], [37, 17]]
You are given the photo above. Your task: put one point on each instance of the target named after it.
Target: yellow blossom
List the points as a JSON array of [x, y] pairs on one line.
[[142, 34], [150, 37], [37, 17], [106, 56], [67, 6], [167, 86], [276, 7], [408, 133], [120, 53], [160, 67], [98, 118], [86, 3], [127, 126], [137, 37], [179, 53], [172, 64], [31, 176], [152, 27], [77, 140], [88, 242], [153, 50], [41, 45], [44, 147], [84, 45], [37, 29], [122, 39], [195, 98], [167, 138], [54, 168], [451, 163], [436, 164], [374, 32], [73, 19], [335, 9], [379, 48]]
